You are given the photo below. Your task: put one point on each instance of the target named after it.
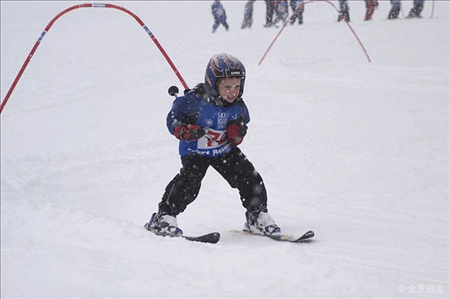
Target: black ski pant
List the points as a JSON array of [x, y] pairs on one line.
[[270, 8], [416, 10], [234, 167]]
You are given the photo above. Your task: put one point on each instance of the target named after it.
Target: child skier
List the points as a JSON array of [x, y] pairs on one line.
[[248, 14], [344, 11], [211, 121], [395, 10], [270, 7], [297, 7], [281, 11], [219, 14], [370, 7], [416, 10]]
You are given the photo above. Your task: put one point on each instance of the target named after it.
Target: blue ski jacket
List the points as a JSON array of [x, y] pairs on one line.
[[213, 116], [396, 3], [218, 11]]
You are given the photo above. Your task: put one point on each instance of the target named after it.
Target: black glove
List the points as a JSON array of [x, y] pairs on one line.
[[189, 132]]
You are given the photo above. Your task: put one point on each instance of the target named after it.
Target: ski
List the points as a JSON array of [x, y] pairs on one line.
[[305, 238], [212, 238], [208, 238]]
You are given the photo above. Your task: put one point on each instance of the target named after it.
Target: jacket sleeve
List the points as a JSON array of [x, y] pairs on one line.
[[183, 112], [214, 10], [244, 115], [175, 116]]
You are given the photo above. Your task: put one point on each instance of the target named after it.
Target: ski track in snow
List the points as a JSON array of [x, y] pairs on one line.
[[356, 151]]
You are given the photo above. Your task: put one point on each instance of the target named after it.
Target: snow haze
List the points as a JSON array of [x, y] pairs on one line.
[[356, 151]]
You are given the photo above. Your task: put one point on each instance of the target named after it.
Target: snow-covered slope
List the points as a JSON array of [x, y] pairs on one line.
[[356, 151]]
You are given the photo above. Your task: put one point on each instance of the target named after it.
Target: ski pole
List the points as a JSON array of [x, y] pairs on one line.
[[89, 5], [432, 9]]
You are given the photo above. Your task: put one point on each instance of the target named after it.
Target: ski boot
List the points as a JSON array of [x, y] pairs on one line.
[[261, 223], [415, 11], [164, 225]]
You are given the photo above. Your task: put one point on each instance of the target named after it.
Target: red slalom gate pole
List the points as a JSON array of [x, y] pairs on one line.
[[89, 5], [287, 20], [281, 30], [33, 50]]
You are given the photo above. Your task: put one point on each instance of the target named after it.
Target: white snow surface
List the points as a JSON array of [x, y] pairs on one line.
[[356, 151]]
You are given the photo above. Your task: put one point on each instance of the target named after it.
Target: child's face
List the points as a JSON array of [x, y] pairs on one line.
[[229, 88]]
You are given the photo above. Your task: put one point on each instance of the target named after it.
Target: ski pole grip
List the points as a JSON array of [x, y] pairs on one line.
[[173, 91]]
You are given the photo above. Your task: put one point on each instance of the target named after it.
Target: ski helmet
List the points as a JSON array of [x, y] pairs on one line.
[[221, 66]]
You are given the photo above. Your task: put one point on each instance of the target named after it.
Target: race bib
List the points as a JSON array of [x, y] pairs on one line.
[[212, 139]]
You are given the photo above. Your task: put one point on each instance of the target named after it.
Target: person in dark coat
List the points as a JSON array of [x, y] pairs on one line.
[[248, 14], [344, 11], [270, 6], [297, 8], [417, 9], [395, 10]]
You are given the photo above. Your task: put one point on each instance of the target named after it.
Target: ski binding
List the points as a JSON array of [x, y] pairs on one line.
[[207, 238]]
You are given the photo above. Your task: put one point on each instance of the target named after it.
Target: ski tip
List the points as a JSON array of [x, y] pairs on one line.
[[306, 237], [208, 238], [215, 237], [309, 234]]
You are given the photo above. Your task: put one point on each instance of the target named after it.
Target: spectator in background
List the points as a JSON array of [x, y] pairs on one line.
[[395, 10], [269, 13], [416, 10], [248, 14], [281, 11], [219, 14], [344, 11], [370, 7], [297, 7]]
